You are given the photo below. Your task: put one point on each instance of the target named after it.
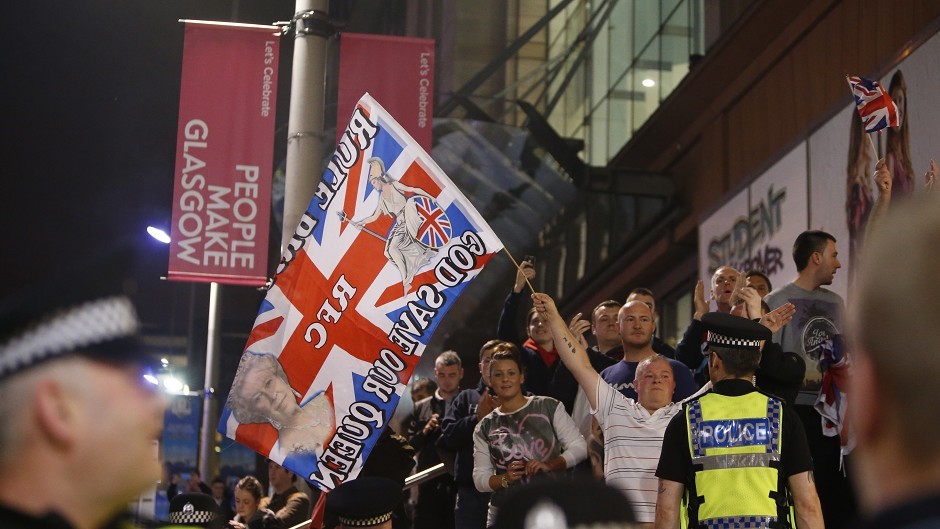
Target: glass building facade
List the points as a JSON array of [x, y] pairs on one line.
[[621, 59]]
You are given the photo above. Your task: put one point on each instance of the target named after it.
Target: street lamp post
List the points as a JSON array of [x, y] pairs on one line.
[[209, 413], [209, 419]]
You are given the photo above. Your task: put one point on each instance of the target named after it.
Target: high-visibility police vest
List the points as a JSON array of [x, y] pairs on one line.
[[735, 444]]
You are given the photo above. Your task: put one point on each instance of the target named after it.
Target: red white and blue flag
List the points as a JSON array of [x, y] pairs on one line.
[[875, 106], [435, 229], [384, 249]]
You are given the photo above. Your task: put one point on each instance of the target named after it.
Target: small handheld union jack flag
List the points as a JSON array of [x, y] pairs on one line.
[[435, 228], [875, 106]]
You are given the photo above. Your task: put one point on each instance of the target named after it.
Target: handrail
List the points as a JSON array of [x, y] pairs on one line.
[[424, 476]]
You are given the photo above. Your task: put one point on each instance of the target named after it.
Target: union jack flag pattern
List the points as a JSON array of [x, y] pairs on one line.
[[384, 249], [435, 230], [875, 106]]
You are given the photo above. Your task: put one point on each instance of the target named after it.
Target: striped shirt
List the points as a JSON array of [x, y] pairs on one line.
[[633, 440]]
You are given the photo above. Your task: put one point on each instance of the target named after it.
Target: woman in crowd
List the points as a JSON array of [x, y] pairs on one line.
[[247, 514], [523, 437]]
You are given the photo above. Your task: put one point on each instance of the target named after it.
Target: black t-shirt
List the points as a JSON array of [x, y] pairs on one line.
[[13, 519], [675, 462]]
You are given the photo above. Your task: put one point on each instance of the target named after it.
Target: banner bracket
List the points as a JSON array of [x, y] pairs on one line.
[[306, 134], [312, 22]]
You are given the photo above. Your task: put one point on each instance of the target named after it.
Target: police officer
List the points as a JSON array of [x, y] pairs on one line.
[[80, 423], [366, 501], [737, 456], [195, 509]]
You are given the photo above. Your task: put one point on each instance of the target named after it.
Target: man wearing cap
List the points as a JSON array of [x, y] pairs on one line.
[[80, 424], [364, 502], [735, 454]]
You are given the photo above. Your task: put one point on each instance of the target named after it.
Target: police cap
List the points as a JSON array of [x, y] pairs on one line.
[[365, 501], [83, 310], [193, 508], [576, 503], [727, 330]]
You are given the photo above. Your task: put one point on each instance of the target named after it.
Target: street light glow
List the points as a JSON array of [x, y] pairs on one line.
[[649, 83], [158, 234], [173, 384]]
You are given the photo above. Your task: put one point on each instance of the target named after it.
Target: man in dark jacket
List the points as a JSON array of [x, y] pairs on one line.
[[290, 505], [435, 506], [463, 413]]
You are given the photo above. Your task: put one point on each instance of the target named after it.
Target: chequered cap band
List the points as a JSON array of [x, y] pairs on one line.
[[366, 522], [192, 517], [740, 522], [728, 341], [69, 330]]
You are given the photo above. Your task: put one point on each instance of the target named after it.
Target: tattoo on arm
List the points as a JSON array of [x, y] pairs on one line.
[[570, 345], [662, 487]]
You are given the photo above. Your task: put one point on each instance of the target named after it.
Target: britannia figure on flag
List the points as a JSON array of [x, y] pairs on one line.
[[261, 393], [420, 225]]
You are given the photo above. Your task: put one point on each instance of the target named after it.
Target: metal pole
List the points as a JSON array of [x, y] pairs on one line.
[[209, 419], [305, 123]]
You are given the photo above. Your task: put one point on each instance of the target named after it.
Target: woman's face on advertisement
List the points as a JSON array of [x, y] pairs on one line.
[[898, 96]]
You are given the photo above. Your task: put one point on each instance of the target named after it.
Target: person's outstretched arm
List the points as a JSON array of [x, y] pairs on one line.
[[570, 350]]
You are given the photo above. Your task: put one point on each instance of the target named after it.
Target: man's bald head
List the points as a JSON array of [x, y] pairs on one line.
[[637, 324]]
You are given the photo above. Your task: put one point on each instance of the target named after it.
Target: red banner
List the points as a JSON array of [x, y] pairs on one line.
[[397, 71], [224, 153]]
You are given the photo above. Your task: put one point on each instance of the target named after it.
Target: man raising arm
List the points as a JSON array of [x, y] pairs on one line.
[[633, 429]]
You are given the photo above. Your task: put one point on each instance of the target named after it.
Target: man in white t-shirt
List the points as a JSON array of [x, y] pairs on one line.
[[633, 429]]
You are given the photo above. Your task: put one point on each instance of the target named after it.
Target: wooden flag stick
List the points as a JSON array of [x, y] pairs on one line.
[[519, 268], [873, 149]]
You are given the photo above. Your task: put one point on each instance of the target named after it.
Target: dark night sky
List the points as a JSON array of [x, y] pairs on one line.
[[91, 123], [90, 116]]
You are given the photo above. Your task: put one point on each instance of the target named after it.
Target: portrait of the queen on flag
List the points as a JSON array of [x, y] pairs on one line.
[[386, 246]]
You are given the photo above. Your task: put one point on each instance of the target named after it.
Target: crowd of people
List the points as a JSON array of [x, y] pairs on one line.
[[745, 423], [248, 506], [748, 422]]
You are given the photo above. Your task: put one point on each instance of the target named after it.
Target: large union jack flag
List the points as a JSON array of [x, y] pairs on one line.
[[875, 106], [354, 302]]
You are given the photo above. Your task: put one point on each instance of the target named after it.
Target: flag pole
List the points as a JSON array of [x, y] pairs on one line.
[[305, 138], [873, 149], [519, 268]]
